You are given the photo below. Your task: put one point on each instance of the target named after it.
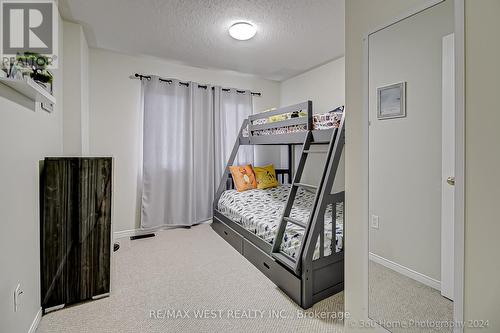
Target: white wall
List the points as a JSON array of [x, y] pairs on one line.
[[115, 121], [84, 90], [325, 87], [482, 188], [76, 108], [405, 153], [27, 135]]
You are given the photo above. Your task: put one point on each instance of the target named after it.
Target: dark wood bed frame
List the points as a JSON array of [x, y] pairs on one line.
[[304, 280]]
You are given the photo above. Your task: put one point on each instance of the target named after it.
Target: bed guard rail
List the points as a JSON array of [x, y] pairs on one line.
[[331, 199], [304, 107]]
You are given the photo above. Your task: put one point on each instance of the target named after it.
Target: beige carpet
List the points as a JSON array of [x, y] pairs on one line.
[[395, 299], [189, 270]]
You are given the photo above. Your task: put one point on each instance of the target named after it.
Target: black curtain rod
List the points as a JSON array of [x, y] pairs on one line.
[[148, 77]]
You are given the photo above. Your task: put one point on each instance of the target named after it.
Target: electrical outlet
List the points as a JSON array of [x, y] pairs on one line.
[[17, 297], [375, 224]]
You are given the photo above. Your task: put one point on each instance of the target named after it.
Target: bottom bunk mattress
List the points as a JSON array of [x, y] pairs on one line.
[[259, 211]]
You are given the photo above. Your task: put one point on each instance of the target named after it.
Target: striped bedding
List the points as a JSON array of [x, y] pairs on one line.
[[259, 211]]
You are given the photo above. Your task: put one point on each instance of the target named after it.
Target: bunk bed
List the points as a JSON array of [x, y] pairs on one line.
[[293, 233]]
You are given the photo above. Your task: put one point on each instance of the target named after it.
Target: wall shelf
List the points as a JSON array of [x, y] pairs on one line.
[[30, 89]]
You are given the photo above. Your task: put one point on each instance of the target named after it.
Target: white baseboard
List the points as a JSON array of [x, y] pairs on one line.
[[128, 233], [428, 281], [36, 321], [139, 231]]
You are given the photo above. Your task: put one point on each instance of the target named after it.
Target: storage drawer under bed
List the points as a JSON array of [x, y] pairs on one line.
[[284, 279], [281, 277], [231, 236]]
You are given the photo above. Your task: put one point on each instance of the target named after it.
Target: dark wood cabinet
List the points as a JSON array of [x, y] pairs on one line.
[[75, 231]]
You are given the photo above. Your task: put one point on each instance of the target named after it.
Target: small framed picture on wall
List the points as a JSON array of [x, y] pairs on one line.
[[391, 101]]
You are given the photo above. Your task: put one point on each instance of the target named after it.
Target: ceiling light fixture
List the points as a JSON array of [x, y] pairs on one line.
[[242, 31]]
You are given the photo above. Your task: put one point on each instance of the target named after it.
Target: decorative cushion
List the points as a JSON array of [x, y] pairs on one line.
[[266, 177], [243, 177]]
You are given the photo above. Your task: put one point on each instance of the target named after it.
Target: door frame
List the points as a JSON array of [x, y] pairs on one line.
[[459, 240]]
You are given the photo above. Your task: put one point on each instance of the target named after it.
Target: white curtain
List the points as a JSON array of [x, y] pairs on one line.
[[178, 154], [231, 108]]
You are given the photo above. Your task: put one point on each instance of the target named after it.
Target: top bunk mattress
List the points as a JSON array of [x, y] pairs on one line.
[[259, 211]]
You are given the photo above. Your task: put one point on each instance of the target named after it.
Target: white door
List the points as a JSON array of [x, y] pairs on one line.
[[448, 168]]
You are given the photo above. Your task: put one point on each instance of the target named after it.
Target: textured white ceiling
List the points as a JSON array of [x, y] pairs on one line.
[[292, 35]]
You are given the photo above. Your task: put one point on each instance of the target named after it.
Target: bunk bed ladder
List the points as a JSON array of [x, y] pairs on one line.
[[320, 194]]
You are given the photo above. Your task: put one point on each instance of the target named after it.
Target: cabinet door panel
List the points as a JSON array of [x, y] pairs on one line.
[[75, 229]]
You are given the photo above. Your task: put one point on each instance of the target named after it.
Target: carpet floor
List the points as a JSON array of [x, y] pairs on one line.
[[396, 299], [191, 280]]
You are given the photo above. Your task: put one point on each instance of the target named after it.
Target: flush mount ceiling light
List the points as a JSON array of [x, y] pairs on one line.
[[242, 31]]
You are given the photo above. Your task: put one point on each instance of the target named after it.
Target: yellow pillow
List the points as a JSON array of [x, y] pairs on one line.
[[266, 177], [243, 177]]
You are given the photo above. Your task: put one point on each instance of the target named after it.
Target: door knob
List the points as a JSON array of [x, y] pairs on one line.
[[451, 181]]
